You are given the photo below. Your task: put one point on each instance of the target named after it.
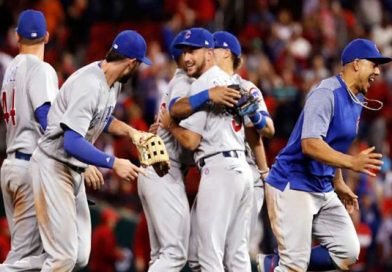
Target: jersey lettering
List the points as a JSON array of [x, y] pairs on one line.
[[12, 112]]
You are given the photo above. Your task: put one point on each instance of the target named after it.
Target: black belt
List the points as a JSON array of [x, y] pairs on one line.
[[22, 156], [227, 154], [77, 169]]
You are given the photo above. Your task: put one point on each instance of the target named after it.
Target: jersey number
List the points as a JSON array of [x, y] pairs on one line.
[[12, 112]]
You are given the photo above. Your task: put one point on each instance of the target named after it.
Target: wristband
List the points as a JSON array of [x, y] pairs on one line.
[[259, 120], [198, 100]]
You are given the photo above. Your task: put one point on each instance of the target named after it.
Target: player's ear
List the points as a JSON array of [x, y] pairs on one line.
[[227, 53], [356, 64], [17, 37], [46, 40]]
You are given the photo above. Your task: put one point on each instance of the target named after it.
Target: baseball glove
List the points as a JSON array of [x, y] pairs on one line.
[[247, 104], [152, 151]]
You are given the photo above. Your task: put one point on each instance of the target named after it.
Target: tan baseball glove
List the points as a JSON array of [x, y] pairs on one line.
[[152, 151]]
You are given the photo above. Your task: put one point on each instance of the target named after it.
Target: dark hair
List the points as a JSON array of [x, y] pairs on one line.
[[237, 61], [113, 55], [31, 41]]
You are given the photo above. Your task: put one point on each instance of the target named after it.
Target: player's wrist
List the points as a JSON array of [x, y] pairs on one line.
[[198, 100], [264, 173], [259, 120]]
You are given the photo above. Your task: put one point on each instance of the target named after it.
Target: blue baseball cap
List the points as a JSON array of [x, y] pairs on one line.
[[175, 53], [132, 45], [226, 40], [363, 49], [31, 24], [197, 37]]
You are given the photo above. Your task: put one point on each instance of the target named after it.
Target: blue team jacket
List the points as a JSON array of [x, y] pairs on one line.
[[302, 172]]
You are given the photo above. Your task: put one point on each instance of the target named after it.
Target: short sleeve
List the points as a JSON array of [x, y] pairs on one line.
[[252, 88], [80, 107], [318, 112], [43, 85], [180, 88], [196, 122]]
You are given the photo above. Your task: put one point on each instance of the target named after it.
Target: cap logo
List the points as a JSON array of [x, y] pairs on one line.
[[187, 34], [115, 46], [34, 34], [206, 43], [225, 44], [375, 46]]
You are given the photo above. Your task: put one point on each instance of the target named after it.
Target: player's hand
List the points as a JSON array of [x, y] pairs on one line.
[[222, 95], [366, 161], [154, 127], [127, 170], [93, 177], [165, 120], [347, 196]]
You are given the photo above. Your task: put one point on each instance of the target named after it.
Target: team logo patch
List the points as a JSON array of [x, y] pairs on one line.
[[236, 125], [376, 48], [187, 34]]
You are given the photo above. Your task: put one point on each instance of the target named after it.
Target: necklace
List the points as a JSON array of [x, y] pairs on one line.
[[365, 103]]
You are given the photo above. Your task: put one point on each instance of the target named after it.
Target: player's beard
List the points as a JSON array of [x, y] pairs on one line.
[[124, 79], [198, 69]]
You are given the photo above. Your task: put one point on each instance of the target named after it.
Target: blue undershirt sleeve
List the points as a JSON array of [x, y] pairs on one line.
[[106, 128], [84, 151], [41, 114]]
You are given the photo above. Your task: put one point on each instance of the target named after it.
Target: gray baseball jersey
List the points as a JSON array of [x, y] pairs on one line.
[[84, 104], [28, 84], [179, 86], [206, 123], [165, 197], [225, 190]]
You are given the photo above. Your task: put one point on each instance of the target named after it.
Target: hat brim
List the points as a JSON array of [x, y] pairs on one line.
[[182, 44], [146, 60], [380, 60]]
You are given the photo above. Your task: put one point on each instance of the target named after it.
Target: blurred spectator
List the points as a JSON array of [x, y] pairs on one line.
[[370, 12], [104, 250], [5, 239], [141, 247], [384, 238]]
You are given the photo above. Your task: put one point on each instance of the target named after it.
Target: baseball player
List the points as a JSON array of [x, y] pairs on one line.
[[300, 187], [164, 199], [224, 200], [80, 112], [227, 53], [29, 87]]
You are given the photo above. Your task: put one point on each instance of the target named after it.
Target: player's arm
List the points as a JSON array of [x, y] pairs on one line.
[[182, 107], [118, 128], [42, 89], [318, 112], [256, 144], [346, 195], [364, 162], [260, 118], [188, 139], [41, 115], [263, 123]]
